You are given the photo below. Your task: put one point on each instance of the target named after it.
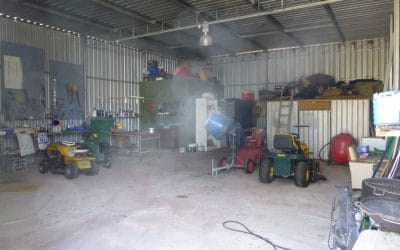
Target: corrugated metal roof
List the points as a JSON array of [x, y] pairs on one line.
[[116, 19]]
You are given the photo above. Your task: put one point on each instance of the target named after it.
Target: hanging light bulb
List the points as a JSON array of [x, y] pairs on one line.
[[205, 39]]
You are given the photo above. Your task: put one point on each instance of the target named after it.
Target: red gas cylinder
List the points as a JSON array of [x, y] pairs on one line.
[[248, 96], [339, 146]]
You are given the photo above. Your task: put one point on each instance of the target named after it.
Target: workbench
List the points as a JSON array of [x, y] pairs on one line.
[[137, 138]]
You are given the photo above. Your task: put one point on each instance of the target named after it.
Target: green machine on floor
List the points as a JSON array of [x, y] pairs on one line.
[[97, 141], [291, 159]]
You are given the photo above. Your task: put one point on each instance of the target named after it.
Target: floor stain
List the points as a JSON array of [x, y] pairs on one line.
[[15, 188], [182, 196]]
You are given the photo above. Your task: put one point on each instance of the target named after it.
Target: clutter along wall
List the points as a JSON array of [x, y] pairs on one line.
[[344, 116], [348, 61], [109, 70]]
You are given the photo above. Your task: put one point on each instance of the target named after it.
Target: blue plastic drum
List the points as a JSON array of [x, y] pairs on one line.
[[218, 125]]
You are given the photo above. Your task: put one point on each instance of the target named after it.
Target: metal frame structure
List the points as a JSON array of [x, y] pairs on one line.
[[171, 27], [232, 19]]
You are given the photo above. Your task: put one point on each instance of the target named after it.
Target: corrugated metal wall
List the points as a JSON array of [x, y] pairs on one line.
[[348, 61], [345, 116], [110, 71], [351, 116]]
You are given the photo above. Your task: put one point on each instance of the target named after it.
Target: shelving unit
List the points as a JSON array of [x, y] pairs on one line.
[[132, 132], [118, 107], [76, 134]]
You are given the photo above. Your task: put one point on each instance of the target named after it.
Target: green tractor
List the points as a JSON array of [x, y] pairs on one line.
[[290, 159]]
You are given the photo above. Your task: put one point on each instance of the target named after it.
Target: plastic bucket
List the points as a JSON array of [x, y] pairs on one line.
[[218, 125]]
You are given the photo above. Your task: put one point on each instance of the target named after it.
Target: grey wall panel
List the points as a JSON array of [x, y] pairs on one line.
[[57, 46], [111, 71]]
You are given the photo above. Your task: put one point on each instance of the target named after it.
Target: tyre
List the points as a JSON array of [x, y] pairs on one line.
[[94, 170], [249, 166], [266, 171], [70, 172], [107, 163], [302, 174], [43, 167]]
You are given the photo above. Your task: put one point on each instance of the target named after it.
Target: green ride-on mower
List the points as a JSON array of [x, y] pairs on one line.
[[290, 159], [99, 150], [96, 141], [65, 158]]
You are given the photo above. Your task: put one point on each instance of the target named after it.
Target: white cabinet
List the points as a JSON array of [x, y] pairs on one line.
[[360, 170], [205, 107]]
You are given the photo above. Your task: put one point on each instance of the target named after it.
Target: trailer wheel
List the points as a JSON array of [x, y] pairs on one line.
[[248, 166], [107, 163], [71, 172], [266, 171], [43, 167], [302, 174]]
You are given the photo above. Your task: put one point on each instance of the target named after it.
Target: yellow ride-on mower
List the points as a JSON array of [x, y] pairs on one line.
[[291, 158], [65, 158]]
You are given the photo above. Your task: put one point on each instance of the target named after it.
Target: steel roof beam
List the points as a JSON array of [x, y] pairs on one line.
[[64, 15], [274, 21], [333, 19], [117, 8], [186, 6], [235, 18], [79, 20], [140, 17]]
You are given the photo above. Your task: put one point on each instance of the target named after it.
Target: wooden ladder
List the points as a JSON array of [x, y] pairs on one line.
[[285, 112]]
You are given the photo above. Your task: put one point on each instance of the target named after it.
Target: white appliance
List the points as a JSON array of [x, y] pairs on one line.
[[205, 141]]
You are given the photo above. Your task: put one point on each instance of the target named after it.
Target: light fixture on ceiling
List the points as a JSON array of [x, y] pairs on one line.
[[205, 39]]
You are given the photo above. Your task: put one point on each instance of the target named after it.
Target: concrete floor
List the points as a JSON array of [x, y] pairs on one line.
[[167, 203]]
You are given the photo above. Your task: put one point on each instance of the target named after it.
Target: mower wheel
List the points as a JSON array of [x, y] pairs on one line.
[[94, 170], [266, 171], [43, 167], [71, 172], [249, 166], [314, 169], [222, 162], [302, 174]]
